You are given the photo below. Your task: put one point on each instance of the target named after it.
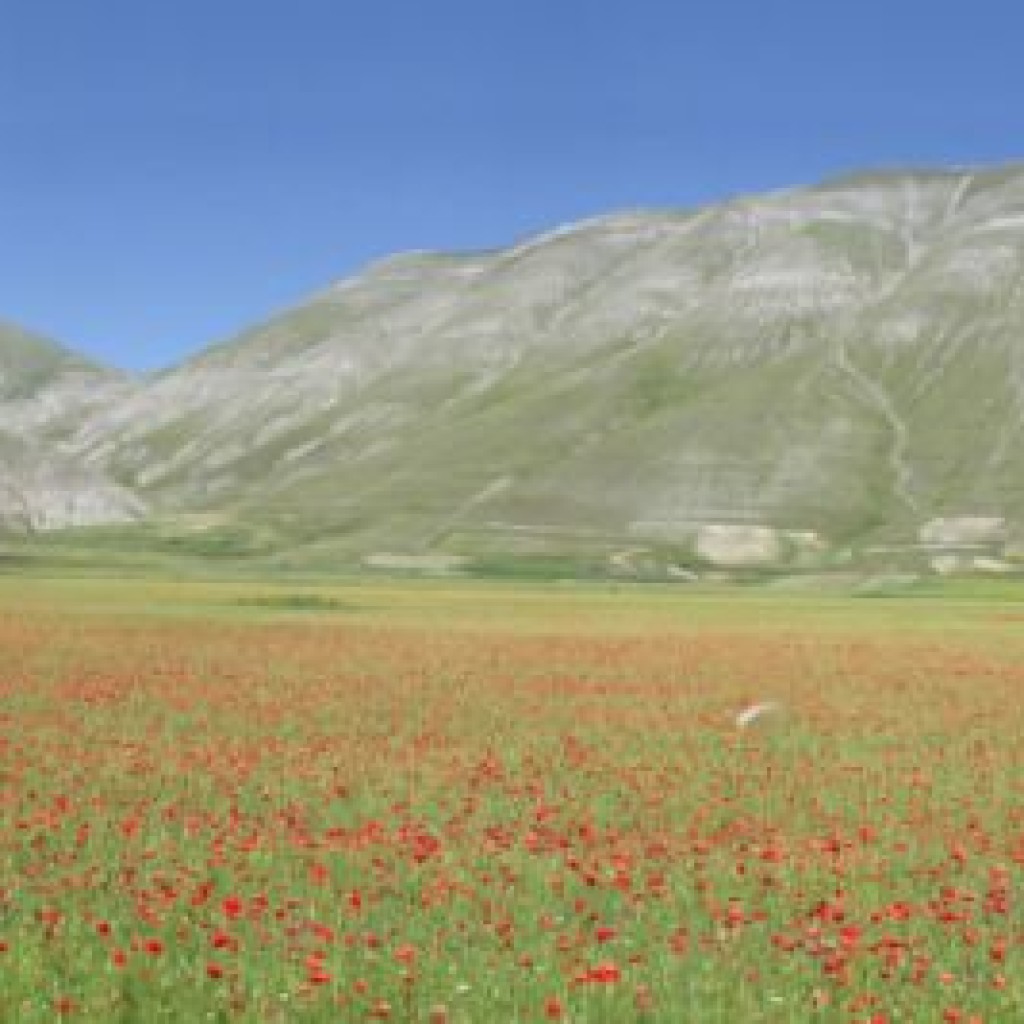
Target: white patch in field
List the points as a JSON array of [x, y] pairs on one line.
[[756, 713]]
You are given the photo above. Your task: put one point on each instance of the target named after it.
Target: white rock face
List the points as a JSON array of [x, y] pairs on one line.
[[996, 565], [960, 531], [736, 547], [37, 500], [415, 563], [945, 565], [62, 507]]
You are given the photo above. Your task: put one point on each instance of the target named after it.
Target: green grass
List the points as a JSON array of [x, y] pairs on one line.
[[296, 602], [480, 801]]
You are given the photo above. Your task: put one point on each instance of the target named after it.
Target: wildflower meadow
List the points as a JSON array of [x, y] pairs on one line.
[[505, 804]]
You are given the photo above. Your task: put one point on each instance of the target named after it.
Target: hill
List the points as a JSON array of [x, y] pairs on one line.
[[800, 378]]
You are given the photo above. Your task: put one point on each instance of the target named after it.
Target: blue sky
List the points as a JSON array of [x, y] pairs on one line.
[[174, 170]]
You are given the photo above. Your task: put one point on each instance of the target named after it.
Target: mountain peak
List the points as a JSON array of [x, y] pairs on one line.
[[773, 380]]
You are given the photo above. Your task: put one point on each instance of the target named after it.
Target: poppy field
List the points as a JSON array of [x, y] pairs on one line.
[[440, 805]]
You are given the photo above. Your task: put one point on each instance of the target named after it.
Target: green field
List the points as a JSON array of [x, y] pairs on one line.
[[467, 801]]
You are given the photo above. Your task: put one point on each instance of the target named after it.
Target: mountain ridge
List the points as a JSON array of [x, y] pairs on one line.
[[789, 377]]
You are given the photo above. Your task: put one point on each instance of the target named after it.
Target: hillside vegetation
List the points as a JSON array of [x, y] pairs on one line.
[[812, 378]]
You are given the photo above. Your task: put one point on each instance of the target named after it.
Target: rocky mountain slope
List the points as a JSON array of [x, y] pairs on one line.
[[776, 379], [46, 393]]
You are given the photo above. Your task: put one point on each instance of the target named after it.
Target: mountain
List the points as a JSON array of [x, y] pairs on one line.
[[816, 374], [46, 393]]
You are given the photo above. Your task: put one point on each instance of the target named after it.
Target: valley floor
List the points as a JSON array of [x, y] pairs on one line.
[[304, 799]]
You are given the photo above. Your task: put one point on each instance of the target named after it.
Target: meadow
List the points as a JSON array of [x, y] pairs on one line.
[[454, 803]]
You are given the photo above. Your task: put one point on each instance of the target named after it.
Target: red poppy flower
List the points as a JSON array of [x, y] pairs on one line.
[[554, 1008], [233, 907]]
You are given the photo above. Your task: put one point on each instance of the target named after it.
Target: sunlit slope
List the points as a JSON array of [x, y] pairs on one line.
[[840, 363], [46, 395]]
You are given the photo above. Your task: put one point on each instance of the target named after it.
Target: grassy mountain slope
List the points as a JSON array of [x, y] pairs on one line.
[[46, 394], [842, 364]]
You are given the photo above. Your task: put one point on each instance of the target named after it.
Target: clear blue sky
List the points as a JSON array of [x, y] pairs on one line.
[[174, 170]]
